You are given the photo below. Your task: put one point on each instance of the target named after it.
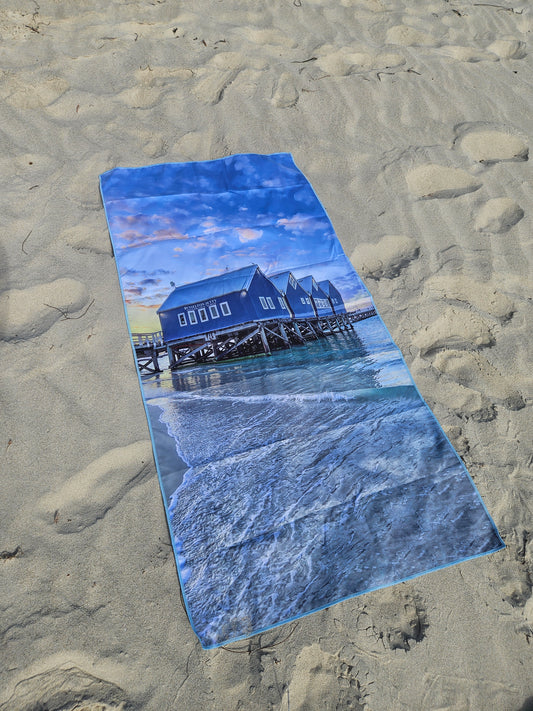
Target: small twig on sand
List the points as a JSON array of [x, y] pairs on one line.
[[64, 312], [24, 242], [261, 649], [7, 555], [499, 7]]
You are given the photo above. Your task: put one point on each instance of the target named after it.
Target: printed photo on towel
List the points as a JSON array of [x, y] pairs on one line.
[[299, 464]]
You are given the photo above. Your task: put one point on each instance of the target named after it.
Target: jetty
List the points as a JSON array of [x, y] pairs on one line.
[[241, 313], [252, 338], [149, 347]]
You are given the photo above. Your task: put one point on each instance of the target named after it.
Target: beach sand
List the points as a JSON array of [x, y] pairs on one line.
[[413, 122]]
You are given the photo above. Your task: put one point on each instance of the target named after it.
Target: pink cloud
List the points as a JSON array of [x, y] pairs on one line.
[[248, 235]]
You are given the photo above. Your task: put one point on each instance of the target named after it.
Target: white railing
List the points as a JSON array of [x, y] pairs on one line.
[[147, 339]]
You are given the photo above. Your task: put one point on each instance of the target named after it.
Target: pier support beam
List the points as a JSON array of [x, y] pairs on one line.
[[265, 341]]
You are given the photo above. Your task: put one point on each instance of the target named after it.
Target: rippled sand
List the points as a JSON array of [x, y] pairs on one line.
[[413, 122]]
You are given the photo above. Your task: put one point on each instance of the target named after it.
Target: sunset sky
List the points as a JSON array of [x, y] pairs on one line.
[[187, 236]]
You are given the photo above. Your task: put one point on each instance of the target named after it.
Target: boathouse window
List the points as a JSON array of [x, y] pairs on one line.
[[302, 299], [213, 310], [203, 314], [192, 317], [270, 302], [224, 307], [281, 302], [263, 302], [292, 282], [182, 319]]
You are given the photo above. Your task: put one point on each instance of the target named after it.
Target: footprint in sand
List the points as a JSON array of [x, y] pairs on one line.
[[452, 693], [318, 678], [26, 93], [346, 61], [26, 313], [285, 94], [439, 181], [508, 49], [386, 258], [87, 237], [474, 371], [400, 618], [66, 687], [395, 619], [498, 215], [460, 288], [343, 62], [494, 146], [455, 328], [409, 37], [489, 147], [87, 496], [468, 54], [219, 72]]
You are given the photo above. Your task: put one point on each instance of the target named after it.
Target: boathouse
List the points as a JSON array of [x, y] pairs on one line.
[[334, 296], [298, 300], [318, 297], [220, 303]]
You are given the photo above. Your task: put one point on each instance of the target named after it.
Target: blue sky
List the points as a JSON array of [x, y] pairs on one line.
[[182, 236]]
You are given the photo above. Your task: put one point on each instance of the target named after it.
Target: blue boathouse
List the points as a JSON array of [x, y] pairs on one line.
[[298, 300], [334, 296], [318, 297], [220, 303]]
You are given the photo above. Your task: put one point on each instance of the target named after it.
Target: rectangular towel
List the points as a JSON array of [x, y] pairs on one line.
[[298, 463]]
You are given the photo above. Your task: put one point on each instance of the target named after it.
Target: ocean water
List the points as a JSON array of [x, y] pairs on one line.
[[300, 479]]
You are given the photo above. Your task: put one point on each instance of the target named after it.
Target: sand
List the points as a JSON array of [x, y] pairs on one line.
[[414, 122]]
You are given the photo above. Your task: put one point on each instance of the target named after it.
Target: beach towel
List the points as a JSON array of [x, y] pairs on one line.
[[298, 463]]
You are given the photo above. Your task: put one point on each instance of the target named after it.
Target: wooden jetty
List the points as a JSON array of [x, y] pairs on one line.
[[149, 347], [246, 339]]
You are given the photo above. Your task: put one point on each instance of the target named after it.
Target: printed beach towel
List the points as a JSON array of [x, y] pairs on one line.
[[298, 463]]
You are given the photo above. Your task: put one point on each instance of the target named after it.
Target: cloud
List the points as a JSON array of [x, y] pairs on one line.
[[143, 272], [131, 239], [299, 223], [202, 243], [169, 233], [246, 234], [134, 290]]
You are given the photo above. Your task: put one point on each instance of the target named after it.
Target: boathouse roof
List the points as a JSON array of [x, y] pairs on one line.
[[308, 283], [326, 286], [210, 288], [280, 281]]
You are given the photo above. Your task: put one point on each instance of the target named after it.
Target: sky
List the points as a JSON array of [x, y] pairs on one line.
[[182, 237]]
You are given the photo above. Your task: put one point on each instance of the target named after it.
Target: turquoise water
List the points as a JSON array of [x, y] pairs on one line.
[[300, 479]]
